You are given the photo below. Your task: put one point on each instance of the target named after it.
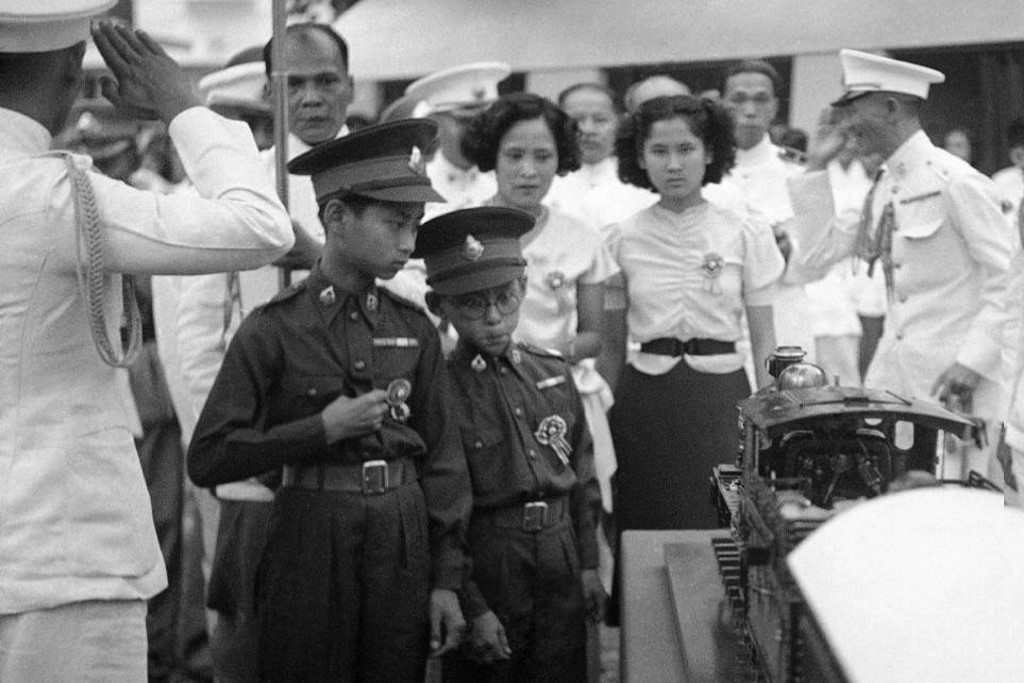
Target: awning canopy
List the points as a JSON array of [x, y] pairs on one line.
[[395, 39]]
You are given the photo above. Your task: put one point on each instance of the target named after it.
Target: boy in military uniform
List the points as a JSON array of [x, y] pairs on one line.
[[343, 386], [532, 535]]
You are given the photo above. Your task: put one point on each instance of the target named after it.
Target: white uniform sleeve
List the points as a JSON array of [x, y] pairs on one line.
[[763, 264], [819, 236], [992, 243], [235, 223]]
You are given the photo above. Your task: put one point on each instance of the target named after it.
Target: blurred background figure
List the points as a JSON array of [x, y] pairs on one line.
[[594, 193], [1010, 180], [958, 143], [451, 98], [653, 86]]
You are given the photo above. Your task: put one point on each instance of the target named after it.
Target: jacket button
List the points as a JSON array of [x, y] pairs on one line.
[[359, 365], [532, 453], [353, 316], [478, 445], [518, 412], [311, 391]]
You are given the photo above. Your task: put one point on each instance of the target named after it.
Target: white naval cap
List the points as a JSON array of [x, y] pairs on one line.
[[46, 25], [240, 86], [865, 73], [466, 86]]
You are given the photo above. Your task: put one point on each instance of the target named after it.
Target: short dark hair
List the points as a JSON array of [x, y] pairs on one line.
[[304, 29], [754, 66], [356, 202], [589, 85], [707, 120], [484, 132]]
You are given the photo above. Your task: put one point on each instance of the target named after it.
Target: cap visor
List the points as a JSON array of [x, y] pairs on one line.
[[478, 280], [407, 193], [849, 97]]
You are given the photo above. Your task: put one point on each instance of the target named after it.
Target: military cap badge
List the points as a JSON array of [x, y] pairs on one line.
[[472, 249], [416, 163]]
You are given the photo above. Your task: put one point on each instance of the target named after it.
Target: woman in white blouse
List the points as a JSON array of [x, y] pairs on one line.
[[693, 275], [527, 141]]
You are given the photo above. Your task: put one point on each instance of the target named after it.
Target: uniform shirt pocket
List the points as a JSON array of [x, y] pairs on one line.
[[306, 394], [489, 460]]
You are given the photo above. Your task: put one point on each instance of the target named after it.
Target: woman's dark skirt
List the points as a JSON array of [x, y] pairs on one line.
[[669, 431]]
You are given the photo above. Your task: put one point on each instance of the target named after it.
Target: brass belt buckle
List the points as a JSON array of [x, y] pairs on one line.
[[535, 515], [375, 477]]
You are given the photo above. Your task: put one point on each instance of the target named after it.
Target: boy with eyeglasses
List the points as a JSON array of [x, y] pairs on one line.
[[532, 535]]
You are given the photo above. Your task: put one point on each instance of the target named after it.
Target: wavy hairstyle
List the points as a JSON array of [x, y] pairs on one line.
[[707, 120], [484, 131]]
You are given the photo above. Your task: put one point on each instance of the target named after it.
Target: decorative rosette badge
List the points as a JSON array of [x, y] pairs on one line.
[[712, 267]]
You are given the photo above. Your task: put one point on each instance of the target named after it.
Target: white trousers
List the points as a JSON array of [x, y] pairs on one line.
[[101, 641]]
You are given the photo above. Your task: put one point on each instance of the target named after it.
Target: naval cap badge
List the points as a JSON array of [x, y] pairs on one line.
[[416, 163], [472, 249]]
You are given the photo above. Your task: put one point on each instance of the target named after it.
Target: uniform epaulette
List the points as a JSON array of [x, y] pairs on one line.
[[401, 300], [939, 169], [287, 293], [538, 351]]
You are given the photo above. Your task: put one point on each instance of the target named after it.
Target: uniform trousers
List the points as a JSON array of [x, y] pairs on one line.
[[531, 581], [343, 587], [98, 641], [241, 541]]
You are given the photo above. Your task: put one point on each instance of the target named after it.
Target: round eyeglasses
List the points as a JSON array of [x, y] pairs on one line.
[[475, 306]]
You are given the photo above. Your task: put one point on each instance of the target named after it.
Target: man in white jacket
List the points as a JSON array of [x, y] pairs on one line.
[[933, 226], [77, 545]]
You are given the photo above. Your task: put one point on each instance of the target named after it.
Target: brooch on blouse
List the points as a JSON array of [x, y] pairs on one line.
[[712, 267], [555, 279]]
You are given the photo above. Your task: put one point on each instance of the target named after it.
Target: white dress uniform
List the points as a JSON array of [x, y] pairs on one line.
[[595, 194], [75, 519], [1010, 183], [463, 188], [951, 253]]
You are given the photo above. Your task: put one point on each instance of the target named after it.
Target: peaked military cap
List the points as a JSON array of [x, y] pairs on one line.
[[464, 87], [34, 26], [384, 162], [236, 88], [473, 249], [865, 73]]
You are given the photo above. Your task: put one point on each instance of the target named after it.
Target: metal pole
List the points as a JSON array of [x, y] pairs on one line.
[[279, 89]]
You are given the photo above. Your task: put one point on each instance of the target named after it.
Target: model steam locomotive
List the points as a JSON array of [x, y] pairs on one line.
[[807, 450]]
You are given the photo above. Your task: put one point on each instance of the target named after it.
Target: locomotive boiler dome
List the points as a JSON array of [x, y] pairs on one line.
[[802, 376]]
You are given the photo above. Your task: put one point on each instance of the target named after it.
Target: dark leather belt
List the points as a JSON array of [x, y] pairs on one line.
[[370, 478], [670, 346], [533, 516]]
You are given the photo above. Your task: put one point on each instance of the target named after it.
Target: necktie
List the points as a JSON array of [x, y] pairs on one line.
[[874, 243]]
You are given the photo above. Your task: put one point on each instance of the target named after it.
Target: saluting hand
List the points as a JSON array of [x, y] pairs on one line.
[[955, 387], [146, 83], [346, 417], [828, 140], [446, 621]]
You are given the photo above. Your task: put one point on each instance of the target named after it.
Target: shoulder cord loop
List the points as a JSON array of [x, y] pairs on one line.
[[92, 277]]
